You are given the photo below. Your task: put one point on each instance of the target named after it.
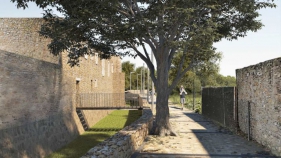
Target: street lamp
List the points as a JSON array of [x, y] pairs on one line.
[[131, 80], [147, 89], [142, 78], [138, 81], [152, 86], [141, 81], [193, 91]]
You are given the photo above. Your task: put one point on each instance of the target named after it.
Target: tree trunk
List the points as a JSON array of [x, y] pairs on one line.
[[162, 124]]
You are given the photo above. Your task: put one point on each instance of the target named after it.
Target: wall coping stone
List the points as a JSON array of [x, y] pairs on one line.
[[124, 143]]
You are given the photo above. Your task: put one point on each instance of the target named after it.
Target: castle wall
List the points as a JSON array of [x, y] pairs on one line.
[[259, 101], [37, 91], [20, 36]]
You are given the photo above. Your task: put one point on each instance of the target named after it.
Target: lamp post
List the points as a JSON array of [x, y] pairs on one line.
[[152, 86], [194, 71], [138, 82], [141, 81], [193, 91], [131, 80], [147, 89]]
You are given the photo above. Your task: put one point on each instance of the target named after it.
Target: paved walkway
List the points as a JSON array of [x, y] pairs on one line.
[[198, 138]]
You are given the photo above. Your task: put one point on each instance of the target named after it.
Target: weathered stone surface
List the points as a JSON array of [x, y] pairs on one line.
[[37, 90], [133, 136], [259, 87]]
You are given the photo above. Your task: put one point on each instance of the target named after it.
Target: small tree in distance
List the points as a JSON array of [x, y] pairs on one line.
[[116, 27], [127, 68]]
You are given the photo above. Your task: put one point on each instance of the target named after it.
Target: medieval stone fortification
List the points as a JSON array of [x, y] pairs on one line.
[[37, 90], [259, 100]]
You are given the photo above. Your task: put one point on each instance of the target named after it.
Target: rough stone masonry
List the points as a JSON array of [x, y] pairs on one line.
[[37, 89], [259, 94]]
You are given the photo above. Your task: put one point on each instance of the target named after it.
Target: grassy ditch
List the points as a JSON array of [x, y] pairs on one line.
[[102, 130], [175, 99]]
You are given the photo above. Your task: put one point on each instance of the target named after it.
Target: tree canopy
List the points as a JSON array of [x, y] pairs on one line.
[[167, 27], [127, 68]]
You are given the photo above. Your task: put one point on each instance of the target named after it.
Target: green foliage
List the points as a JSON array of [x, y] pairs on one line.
[[114, 27], [117, 120], [187, 28], [204, 74], [182, 30], [203, 71], [226, 81], [127, 68], [175, 99], [188, 81], [144, 71], [102, 130]]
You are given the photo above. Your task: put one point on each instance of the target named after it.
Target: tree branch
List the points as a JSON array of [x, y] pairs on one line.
[[152, 46], [179, 76], [144, 49], [171, 56], [147, 61]]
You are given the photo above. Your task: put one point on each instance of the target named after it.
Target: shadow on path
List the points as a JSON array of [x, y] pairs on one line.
[[199, 137]]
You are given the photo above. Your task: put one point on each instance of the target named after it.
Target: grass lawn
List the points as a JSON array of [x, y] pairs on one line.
[[175, 99], [102, 130]]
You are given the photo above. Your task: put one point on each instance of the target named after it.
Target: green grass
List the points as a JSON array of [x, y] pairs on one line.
[[175, 99], [102, 130]]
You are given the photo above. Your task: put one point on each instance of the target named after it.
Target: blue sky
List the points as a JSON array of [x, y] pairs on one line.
[[265, 44]]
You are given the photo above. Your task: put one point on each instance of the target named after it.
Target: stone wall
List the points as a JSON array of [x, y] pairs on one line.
[[37, 91], [27, 82], [259, 87], [20, 36], [34, 119], [124, 143]]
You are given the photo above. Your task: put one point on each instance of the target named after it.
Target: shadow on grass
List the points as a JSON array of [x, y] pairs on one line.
[[133, 116], [80, 145], [101, 131], [104, 129]]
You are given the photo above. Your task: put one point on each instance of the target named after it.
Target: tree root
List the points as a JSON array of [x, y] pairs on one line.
[[164, 132]]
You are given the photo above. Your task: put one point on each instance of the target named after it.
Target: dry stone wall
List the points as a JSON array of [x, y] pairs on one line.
[[37, 91], [124, 143], [259, 87]]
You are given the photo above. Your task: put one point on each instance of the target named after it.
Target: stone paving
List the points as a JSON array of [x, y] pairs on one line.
[[198, 138]]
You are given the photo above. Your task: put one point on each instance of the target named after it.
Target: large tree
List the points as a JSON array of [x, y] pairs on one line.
[[167, 27]]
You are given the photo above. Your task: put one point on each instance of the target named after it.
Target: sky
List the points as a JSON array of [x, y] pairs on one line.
[[256, 47]]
